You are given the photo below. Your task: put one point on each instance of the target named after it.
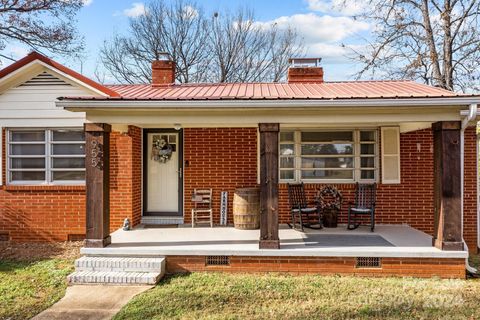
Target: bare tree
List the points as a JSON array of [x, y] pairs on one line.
[[40, 24], [224, 48], [245, 51], [179, 29], [435, 41]]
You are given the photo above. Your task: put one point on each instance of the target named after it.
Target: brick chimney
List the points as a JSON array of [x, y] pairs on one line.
[[163, 71], [306, 70]]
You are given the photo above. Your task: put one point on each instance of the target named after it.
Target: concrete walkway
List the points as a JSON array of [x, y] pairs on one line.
[[86, 302]]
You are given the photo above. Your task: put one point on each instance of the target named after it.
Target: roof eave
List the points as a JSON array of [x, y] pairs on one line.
[[74, 104]]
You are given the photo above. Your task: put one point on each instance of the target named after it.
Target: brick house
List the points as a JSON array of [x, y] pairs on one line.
[[76, 159]]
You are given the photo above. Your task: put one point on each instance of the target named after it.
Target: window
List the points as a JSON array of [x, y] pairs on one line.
[[321, 156], [46, 156]]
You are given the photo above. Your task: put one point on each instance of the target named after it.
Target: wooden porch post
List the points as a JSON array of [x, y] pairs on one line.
[[447, 185], [269, 186], [97, 163]]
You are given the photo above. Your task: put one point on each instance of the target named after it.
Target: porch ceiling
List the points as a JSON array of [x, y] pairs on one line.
[[308, 117], [386, 241]]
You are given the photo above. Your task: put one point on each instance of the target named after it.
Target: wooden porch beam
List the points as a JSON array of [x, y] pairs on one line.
[[447, 185], [269, 186], [97, 163]]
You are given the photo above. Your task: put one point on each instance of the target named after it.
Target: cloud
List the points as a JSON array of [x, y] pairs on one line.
[[342, 7], [314, 28], [190, 12], [18, 52], [137, 10], [87, 2]]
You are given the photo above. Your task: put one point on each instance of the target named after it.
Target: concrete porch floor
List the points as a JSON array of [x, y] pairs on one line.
[[394, 241]]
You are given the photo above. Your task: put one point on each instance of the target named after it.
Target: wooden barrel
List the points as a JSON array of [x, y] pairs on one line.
[[246, 208]]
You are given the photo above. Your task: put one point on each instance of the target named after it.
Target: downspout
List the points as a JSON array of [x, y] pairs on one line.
[[472, 113]]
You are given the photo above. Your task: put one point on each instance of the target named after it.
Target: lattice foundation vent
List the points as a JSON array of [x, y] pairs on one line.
[[368, 262], [217, 260]]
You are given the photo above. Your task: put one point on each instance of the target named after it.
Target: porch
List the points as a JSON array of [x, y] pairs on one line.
[[427, 199], [386, 241], [398, 250]]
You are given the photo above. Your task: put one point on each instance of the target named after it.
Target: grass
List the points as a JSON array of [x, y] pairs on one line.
[[29, 287], [273, 296]]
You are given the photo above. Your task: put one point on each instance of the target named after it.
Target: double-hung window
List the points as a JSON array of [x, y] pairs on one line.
[[45, 156], [329, 156]]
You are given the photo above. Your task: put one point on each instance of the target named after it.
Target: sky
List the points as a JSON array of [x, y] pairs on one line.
[[322, 24]]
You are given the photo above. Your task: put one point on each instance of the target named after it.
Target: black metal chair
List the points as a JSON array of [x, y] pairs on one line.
[[364, 205], [302, 209]]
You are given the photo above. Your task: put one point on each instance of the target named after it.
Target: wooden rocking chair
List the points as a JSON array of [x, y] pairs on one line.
[[364, 205], [202, 206], [301, 209]]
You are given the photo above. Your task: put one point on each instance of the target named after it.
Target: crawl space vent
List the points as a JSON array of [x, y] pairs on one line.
[[368, 262], [217, 260]]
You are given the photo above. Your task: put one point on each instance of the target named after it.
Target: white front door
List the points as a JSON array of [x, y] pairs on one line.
[[163, 173]]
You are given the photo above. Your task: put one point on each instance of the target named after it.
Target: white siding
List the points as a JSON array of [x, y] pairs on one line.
[[21, 106], [32, 104]]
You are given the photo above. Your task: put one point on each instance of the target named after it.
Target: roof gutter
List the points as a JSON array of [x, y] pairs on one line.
[[248, 104]]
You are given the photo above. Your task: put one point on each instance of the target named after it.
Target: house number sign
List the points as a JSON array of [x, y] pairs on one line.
[[96, 153]]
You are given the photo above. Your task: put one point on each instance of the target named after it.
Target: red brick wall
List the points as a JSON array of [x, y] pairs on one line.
[[411, 267], [42, 213], [52, 213], [125, 177], [220, 158]]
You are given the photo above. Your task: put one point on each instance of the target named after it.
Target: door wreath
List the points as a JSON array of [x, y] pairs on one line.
[[161, 149]]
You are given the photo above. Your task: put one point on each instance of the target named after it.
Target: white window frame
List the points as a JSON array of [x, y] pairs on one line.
[[48, 142], [356, 156]]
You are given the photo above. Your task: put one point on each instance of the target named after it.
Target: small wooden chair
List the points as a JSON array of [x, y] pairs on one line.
[[301, 208], [202, 206], [364, 205]]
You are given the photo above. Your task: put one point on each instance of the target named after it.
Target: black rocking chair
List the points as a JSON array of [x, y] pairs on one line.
[[364, 205], [301, 209]]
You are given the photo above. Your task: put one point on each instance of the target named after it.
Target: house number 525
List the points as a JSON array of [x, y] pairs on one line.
[[96, 154]]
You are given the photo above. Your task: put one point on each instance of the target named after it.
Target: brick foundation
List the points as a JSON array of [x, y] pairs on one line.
[[414, 267]]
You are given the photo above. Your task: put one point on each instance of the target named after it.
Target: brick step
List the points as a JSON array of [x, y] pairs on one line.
[[120, 264], [110, 277]]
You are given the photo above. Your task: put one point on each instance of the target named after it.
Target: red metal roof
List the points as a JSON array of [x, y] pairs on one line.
[[32, 56], [285, 91]]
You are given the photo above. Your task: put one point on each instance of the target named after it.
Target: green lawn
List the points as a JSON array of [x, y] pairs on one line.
[[29, 287], [242, 296]]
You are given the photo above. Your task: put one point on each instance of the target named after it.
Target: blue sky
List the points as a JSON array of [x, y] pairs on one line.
[[322, 24]]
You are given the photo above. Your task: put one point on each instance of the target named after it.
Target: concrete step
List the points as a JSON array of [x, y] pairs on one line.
[[110, 277], [120, 264]]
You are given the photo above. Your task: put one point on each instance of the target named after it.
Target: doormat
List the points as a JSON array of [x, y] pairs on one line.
[[159, 226], [345, 240]]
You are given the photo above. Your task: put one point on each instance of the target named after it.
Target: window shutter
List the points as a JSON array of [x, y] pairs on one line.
[[390, 155]]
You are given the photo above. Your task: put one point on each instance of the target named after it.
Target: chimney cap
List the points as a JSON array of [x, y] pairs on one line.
[[164, 56], [304, 62]]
